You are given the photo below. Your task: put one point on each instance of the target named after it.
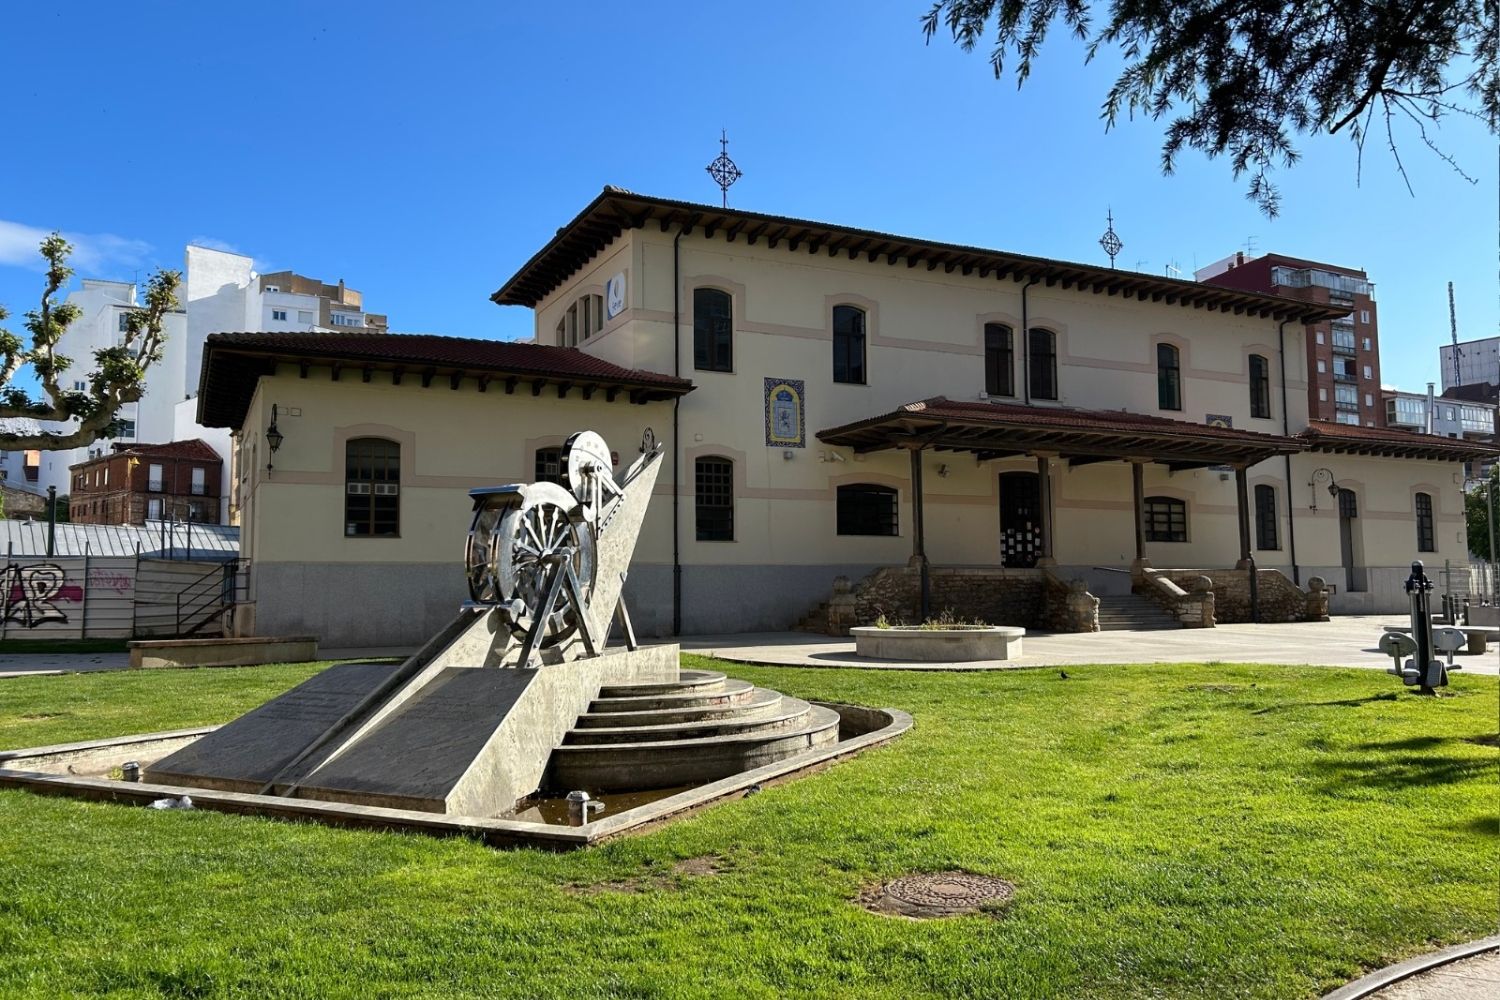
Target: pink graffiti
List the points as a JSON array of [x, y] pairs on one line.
[[67, 592], [118, 582]]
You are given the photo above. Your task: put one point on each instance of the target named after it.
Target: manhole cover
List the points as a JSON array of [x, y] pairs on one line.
[[939, 894]]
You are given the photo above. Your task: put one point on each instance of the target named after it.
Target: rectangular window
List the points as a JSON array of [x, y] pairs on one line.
[[1322, 394], [1166, 519], [1347, 394], [1367, 343], [304, 316], [372, 487], [125, 428], [153, 509], [999, 360], [153, 478], [1426, 539], [714, 499], [1265, 518], [549, 465], [200, 488], [1320, 336], [124, 322], [849, 345], [278, 315], [713, 330], [1369, 399], [1322, 367], [866, 509], [1043, 363], [1364, 316], [1260, 386], [1168, 378]]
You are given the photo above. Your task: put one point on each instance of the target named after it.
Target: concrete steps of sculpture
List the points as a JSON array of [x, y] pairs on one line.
[[689, 681], [762, 702], [663, 738], [1131, 612], [730, 692]]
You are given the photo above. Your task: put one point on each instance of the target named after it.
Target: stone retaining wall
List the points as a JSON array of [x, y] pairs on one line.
[[1281, 600], [1029, 598]]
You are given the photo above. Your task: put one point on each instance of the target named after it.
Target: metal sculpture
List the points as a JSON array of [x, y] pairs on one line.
[[532, 554]]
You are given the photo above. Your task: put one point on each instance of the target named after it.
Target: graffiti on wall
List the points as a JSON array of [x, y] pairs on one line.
[[31, 593]]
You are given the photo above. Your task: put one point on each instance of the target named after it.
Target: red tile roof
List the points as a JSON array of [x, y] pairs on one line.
[[233, 362], [1323, 435], [194, 450], [616, 210], [1010, 428]]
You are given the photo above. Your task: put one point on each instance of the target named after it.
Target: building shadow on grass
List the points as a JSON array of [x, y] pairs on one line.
[[1396, 764], [1340, 703], [1485, 825]]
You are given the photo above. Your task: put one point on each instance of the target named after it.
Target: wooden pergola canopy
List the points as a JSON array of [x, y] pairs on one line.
[[997, 430]]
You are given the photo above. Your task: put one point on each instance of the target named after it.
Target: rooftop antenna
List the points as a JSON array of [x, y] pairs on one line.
[[1458, 378], [723, 169], [1172, 270], [1138, 264], [1250, 245], [1111, 243]]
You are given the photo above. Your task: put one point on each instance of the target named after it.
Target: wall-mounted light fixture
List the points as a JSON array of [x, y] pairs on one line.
[[1318, 476], [942, 470], [274, 437]]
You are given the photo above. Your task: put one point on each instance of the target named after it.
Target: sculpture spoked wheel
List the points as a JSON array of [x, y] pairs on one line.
[[536, 535], [532, 552]]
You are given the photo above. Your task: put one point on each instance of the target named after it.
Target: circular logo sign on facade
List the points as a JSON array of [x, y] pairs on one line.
[[614, 296]]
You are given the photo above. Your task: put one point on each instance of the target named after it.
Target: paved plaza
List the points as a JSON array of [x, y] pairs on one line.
[[1342, 642]]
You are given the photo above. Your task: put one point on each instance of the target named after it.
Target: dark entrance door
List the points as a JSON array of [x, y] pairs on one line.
[[1348, 511], [1020, 519]]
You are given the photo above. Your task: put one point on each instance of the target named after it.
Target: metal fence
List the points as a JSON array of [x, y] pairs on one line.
[[116, 597]]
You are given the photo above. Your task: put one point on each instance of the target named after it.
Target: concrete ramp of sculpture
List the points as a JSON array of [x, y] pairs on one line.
[[520, 698]]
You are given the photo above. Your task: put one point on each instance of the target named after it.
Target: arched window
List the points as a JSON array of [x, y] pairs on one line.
[[849, 344], [1260, 386], [713, 330], [715, 499], [866, 509], [1166, 519], [1043, 363], [1265, 518], [1426, 539], [1168, 378], [549, 465], [372, 487], [999, 360]]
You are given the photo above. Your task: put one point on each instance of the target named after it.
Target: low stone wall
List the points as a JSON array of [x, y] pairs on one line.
[[1067, 605], [1280, 599], [992, 596], [1190, 599]]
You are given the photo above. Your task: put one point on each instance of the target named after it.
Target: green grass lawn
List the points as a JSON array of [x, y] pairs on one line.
[[1190, 831]]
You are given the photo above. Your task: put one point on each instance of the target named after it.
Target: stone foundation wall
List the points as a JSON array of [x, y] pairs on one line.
[[1281, 600], [1067, 605], [995, 597]]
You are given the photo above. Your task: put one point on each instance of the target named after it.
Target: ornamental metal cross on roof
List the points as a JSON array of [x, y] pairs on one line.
[[1111, 243], [723, 169]]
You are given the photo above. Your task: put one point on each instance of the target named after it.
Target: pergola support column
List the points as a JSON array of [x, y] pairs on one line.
[[919, 535], [1247, 559], [1044, 502], [1138, 499]]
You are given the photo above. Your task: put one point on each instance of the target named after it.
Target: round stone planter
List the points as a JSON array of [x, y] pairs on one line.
[[956, 644]]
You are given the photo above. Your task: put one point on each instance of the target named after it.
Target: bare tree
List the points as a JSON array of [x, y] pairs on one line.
[[119, 374]]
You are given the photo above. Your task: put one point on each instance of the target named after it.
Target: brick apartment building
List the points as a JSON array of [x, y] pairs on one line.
[[1343, 355], [174, 481]]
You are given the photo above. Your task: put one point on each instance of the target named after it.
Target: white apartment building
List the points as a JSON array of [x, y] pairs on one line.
[[221, 291]]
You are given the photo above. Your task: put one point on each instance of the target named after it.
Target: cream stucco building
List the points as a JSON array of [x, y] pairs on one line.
[[806, 377]]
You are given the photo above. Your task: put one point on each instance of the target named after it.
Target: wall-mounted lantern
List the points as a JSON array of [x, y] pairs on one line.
[[274, 437], [1319, 476]]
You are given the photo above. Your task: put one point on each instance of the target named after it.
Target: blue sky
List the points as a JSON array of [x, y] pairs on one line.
[[422, 152]]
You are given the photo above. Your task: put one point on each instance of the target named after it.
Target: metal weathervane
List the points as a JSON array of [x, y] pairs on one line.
[[1111, 243], [723, 170]]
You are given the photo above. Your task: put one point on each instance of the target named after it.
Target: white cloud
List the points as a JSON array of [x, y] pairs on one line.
[[92, 252]]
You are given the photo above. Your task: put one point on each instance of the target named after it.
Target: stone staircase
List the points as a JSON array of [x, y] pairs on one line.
[[815, 620], [700, 728], [1132, 612]]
